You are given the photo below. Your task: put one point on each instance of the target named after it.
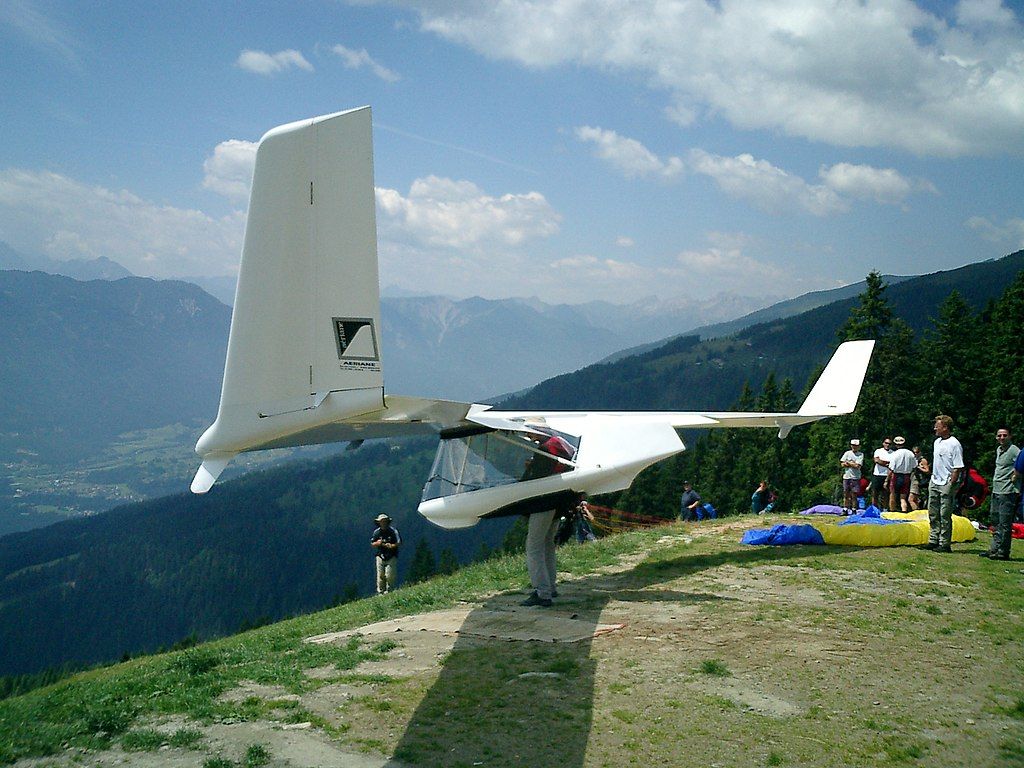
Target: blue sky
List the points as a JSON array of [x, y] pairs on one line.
[[567, 150]]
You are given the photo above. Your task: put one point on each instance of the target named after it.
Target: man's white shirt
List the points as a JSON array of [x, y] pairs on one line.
[[947, 456]]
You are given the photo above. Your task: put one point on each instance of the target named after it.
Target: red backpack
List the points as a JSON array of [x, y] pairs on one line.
[[973, 489]]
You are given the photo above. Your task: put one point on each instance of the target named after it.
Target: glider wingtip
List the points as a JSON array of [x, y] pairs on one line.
[[201, 484], [208, 473]]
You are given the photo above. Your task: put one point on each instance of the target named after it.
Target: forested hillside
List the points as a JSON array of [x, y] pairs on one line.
[[779, 311], [269, 545], [966, 364], [688, 374]]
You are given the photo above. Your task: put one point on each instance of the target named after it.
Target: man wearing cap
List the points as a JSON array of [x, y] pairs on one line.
[[919, 477], [851, 462], [1005, 495], [386, 541], [689, 502], [901, 465], [880, 473]]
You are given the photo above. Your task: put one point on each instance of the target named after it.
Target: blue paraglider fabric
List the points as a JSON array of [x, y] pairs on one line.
[[784, 534], [872, 516]]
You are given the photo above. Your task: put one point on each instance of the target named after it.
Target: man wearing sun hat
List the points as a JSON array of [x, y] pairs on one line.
[[851, 462], [386, 541], [901, 465]]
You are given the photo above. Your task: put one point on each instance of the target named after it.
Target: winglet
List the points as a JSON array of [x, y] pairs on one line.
[[837, 389], [209, 471]]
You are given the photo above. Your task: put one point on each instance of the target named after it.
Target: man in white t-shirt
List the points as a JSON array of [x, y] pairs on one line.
[[947, 464], [901, 465], [852, 462], [880, 473]]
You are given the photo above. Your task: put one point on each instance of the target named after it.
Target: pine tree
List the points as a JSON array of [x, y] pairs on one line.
[[888, 399], [956, 379], [423, 564], [447, 562], [1003, 359], [515, 537], [871, 318]]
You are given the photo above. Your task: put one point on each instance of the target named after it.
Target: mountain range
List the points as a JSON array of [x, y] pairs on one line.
[[777, 311], [110, 378], [100, 268], [689, 372], [83, 362]]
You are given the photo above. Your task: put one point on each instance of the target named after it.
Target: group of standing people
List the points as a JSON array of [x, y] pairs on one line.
[[898, 475], [902, 478]]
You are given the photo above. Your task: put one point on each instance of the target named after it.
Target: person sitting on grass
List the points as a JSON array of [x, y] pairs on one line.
[[763, 500]]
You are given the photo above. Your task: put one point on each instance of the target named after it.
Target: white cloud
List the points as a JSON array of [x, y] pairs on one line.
[[450, 237], [763, 184], [767, 186], [354, 59], [588, 268], [847, 72], [66, 219], [444, 213], [629, 156], [1009, 234], [726, 265], [982, 14], [263, 63], [883, 185], [39, 29], [228, 171], [625, 242]]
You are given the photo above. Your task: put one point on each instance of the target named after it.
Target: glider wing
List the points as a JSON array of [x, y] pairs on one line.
[[834, 393]]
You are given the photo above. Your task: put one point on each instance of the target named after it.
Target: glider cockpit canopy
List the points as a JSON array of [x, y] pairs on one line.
[[476, 457]]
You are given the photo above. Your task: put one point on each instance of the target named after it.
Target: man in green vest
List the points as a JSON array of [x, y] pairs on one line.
[[1005, 495]]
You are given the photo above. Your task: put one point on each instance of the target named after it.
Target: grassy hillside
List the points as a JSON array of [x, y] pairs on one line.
[[266, 546], [727, 655]]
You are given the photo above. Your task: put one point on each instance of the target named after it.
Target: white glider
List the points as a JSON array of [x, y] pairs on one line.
[[304, 355]]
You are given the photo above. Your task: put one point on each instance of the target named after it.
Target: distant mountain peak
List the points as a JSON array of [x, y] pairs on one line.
[[99, 268]]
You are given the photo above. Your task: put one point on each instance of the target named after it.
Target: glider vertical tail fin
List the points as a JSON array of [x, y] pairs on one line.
[[837, 389], [306, 320]]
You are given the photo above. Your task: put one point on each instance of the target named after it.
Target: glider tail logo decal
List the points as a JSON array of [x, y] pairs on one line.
[[356, 338]]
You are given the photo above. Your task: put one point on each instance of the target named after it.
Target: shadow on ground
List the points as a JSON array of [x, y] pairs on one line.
[[528, 702]]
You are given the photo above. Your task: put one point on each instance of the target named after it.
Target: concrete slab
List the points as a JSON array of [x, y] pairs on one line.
[[475, 621]]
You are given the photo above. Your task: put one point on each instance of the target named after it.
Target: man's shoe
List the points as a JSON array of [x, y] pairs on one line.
[[946, 549], [986, 554], [998, 556], [536, 599], [930, 545]]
